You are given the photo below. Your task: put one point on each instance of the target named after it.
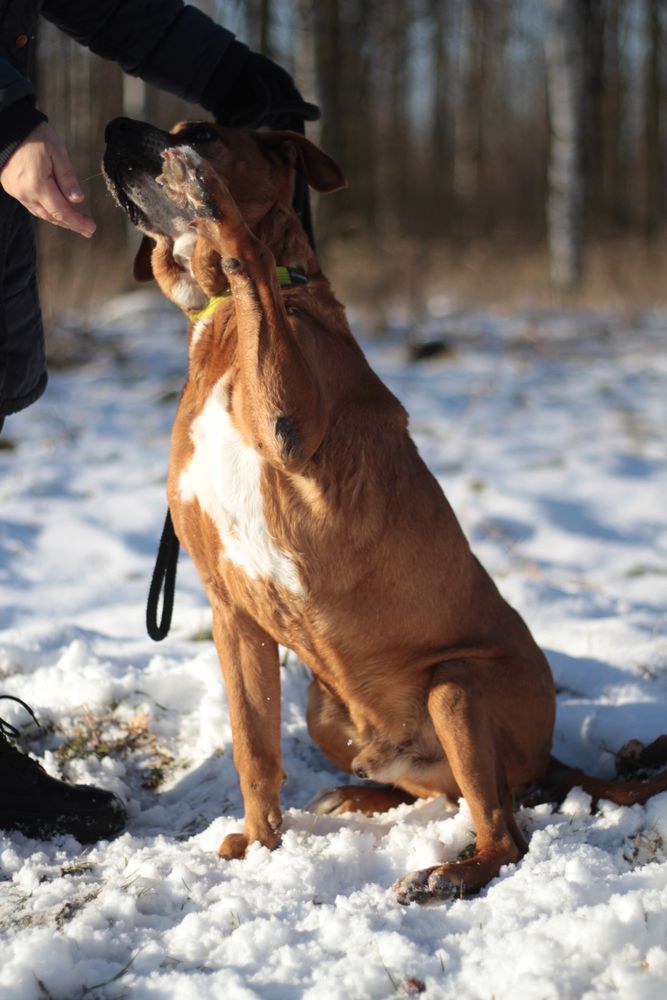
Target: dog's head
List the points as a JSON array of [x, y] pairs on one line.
[[257, 167]]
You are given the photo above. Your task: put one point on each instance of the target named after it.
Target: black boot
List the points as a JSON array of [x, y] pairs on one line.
[[43, 807]]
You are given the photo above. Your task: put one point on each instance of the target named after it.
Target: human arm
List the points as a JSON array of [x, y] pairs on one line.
[[181, 50], [18, 114]]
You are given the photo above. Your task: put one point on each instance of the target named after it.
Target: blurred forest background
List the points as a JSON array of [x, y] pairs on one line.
[[500, 151]]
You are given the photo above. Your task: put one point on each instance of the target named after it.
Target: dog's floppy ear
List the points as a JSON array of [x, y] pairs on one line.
[[319, 170], [143, 269]]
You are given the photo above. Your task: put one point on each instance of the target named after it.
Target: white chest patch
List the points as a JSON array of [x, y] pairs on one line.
[[185, 292], [198, 329], [183, 248], [224, 477]]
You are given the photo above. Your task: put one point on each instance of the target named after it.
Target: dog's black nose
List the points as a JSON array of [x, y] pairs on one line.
[[118, 125], [361, 772]]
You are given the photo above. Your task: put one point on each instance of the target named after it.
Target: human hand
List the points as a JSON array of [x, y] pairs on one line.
[[40, 175], [264, 94]]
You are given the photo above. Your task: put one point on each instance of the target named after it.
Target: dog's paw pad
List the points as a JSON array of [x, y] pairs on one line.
[[428, 885], [184, 179], [412, 888]]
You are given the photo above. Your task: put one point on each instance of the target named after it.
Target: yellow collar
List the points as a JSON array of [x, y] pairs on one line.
[[210, 307], [288, 277]]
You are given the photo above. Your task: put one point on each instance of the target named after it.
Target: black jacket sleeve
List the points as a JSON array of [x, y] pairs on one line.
[[13, 85], [18, 114], [178, 48], [166, 43]]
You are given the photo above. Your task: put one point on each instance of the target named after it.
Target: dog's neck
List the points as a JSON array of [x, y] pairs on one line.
[[281, 231], [197, 290]]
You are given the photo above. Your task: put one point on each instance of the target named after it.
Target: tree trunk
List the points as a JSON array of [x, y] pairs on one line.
[[652, 119], [361, 140], [470, 139], [614, 166], [258, 19], [303, 55], [595, 14], [440, 152], [399, 16], [565, 76], [328, 56]]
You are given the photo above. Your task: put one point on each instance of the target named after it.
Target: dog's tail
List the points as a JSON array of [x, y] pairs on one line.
[[635, 783]]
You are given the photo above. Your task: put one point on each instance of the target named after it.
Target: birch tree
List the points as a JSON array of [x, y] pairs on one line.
[[652, 151], [565, 86]]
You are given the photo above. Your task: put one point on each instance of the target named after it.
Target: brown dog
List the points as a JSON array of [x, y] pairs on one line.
[[314, 523]]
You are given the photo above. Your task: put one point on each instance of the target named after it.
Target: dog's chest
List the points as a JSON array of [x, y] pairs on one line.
[[224, 476]]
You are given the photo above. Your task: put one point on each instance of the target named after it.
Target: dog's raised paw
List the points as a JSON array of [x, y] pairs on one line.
[[184, 180]]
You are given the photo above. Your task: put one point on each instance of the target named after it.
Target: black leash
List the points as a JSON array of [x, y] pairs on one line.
[[164, 577], [6, 729]]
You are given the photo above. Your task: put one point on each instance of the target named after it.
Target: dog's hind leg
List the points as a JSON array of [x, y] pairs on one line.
[[464, 726], [358, 799], [332, 729]]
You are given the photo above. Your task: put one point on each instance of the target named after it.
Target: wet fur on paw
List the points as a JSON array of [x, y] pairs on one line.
[[186, 179]]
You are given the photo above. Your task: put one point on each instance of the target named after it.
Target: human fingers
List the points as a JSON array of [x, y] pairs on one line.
[[60, 212], [63, 172], [33, 175]]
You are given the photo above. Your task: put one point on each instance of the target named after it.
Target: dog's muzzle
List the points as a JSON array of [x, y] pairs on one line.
[[135, 144], [131, 162]]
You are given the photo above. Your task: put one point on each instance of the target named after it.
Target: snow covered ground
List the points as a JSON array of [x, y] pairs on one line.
[[549, 435]]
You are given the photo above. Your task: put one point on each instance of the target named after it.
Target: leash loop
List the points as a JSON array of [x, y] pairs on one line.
[[6, 729], [164, 579]]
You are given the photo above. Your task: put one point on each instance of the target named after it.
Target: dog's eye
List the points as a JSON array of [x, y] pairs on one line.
[[196, 133], [202, 134]]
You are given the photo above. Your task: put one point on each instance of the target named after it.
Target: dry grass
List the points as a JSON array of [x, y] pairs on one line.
[[106, 735], [621, 274], [377, 276]]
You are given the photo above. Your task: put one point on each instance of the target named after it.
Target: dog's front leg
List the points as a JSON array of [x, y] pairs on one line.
[[283, 406], [250, 665]]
